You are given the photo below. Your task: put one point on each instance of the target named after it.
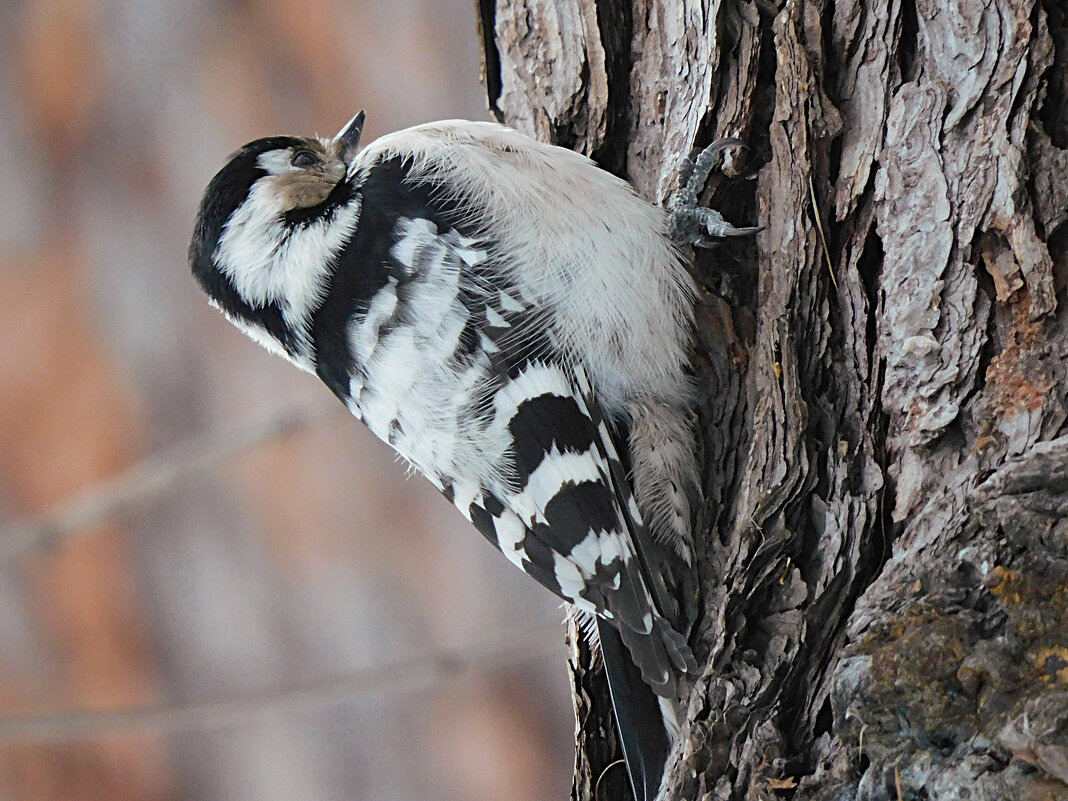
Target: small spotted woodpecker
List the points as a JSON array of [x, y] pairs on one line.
[[514, 321]]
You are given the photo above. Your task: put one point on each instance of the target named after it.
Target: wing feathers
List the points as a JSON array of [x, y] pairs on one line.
[[489, 397]]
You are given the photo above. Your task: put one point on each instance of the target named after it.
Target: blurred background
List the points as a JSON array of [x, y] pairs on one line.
[[284, 615]]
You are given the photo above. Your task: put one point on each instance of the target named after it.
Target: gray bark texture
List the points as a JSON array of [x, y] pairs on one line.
[[884, 549]]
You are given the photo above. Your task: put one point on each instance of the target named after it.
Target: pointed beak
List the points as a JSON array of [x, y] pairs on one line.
[[349, 136]]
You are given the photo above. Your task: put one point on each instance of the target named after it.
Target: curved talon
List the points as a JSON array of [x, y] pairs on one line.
[[753, 229], [693, 224], [712, 240], [693, 172], [722, 144], [707, 160]]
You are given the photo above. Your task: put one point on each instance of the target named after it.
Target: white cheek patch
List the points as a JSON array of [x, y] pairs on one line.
[[249, 243], [269, 262], [277, 162]]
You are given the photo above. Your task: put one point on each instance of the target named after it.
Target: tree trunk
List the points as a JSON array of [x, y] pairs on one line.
[[884, 551]]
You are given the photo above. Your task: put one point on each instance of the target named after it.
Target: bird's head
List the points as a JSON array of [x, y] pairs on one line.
[[270, 225]]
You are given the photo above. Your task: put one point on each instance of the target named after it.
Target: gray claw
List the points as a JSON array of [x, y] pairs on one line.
[[753, 229], [722, 144], [692, 224]]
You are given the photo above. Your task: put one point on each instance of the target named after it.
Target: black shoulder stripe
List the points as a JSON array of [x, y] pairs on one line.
[[362, 266]]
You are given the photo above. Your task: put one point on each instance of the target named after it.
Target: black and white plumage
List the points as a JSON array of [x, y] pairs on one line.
[[514, 321]]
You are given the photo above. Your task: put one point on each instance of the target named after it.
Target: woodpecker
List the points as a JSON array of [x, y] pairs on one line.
[[514, 322]]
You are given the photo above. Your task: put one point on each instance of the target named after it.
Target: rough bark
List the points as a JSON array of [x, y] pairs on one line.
[[884, 551]]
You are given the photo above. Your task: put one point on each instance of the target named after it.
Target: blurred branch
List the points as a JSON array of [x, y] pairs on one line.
[[407, 676], [147, 479]]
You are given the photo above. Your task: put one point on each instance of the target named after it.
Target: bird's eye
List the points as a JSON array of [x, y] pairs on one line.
[[304, 158]]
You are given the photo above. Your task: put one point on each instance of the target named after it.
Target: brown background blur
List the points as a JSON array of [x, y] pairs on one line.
[[304, 560]]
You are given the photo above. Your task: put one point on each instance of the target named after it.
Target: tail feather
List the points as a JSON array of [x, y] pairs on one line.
[[660, 653], [643, 731]]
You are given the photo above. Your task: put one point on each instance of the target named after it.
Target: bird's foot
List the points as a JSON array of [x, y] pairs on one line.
[[696, 225]]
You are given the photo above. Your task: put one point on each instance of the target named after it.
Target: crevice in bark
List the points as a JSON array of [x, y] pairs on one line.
[[993, 344], [731, 271], [1058, 245], [1053, 113], [485, 20], [882, 529], [614, 21], [763, 102], [868, 268], [908, 42], [823, 724]]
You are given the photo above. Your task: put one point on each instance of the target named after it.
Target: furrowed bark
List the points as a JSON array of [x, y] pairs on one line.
[[884, 549]]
